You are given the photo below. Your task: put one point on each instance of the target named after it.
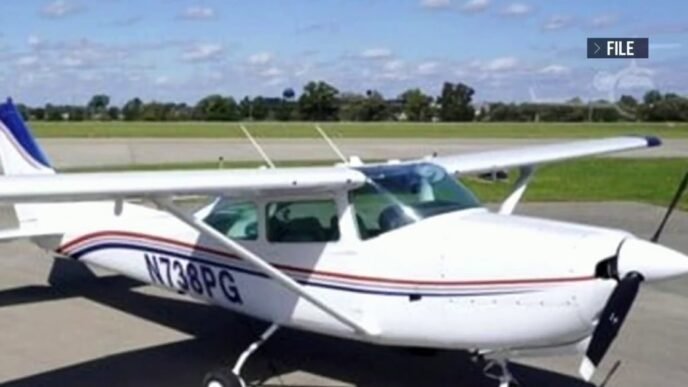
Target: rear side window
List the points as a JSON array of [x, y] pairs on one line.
[[302, 221], [235, 220]]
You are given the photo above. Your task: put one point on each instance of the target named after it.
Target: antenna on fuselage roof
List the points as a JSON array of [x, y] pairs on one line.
[[257, 146], [334, 146]]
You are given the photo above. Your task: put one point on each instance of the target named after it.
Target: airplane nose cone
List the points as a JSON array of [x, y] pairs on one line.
[[653, 261]]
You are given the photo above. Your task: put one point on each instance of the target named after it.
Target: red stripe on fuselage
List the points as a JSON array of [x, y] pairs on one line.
[[85, 238]]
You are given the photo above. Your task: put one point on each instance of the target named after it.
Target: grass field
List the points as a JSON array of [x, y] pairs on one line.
[[644, 180], [356, 130]]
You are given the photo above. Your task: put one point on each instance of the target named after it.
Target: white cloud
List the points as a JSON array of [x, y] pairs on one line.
[[277, 81], [303, 70], [631, 77], [474, 6], [203, 52], [475, 63], [34, 41], [161, 80], [557, 22], [435, 4], [27, 61], [59, 9], [665, 46], [327, 27], [72, 61], [271, 72], [506, 63], [393, 76], [603, 21], [388, 70], [92, 55], [198, 13], [260, 58], [376, 53], [90, 77], [428, 68], [127, 21], [461, 72], [554, 69], [517, 9], [393, 65]]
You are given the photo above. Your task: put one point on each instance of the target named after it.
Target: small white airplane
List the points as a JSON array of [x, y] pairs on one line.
[[397, 254]]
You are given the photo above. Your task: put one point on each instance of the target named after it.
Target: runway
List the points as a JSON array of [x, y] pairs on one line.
[[70, 153], [110, 331]]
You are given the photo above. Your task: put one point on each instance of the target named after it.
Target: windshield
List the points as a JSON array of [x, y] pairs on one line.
[[396, 195]]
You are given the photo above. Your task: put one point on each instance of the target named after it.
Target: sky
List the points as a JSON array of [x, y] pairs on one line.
[[64, 51]]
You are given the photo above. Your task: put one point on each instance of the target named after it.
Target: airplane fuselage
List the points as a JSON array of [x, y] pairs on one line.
[[470, 280]]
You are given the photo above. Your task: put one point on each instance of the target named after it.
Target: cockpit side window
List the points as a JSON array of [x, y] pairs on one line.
[[235, 220], [301, 221]]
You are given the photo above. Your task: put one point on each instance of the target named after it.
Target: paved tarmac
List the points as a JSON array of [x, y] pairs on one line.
[[66, 153], [105, 330]]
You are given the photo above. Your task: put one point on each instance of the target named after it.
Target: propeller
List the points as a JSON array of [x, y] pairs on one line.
[[621, 300], [612, 318], [674, 202]]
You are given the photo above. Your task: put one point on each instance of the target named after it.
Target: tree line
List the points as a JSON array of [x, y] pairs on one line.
[[320, 101]]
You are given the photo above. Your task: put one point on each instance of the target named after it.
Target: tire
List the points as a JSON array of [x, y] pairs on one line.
[[221, 378]]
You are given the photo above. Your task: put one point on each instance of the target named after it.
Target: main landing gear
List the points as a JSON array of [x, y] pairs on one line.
[[497, 368], [224, 377]]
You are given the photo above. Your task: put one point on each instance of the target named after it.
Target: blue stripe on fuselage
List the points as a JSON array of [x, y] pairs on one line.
[[112, 245]]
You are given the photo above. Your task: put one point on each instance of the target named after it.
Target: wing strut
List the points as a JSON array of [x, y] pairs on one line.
[[509, 205], [256, 145], [331, 143], [277, 275]]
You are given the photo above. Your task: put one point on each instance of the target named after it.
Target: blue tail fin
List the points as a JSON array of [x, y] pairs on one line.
[[19, 151]]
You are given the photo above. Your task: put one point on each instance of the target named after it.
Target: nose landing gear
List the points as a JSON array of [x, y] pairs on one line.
[[497, 367], [224, 377]]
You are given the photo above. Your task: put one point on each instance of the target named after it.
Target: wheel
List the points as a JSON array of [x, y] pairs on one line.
[[512, 383], [222, 378]]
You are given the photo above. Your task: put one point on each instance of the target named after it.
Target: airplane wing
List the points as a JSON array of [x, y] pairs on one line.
[[130, 185], [498, 160], [125, 185]]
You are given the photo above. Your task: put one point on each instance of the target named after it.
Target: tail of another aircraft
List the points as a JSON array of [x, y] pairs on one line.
[[19, 152]]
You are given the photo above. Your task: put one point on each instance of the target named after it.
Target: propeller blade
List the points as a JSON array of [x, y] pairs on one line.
[[672, 206], [611, 320]]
